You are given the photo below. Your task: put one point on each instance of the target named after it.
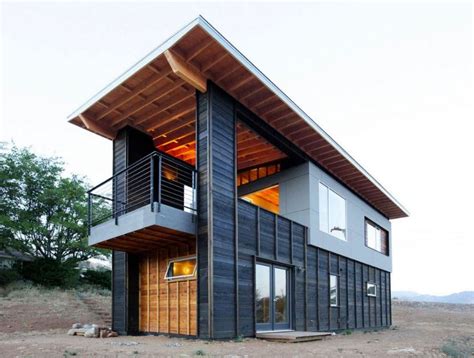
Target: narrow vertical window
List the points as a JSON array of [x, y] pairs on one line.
[[333, 291]]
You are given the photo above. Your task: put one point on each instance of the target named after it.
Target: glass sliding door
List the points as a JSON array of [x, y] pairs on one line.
[[262, 297], [272, 297]]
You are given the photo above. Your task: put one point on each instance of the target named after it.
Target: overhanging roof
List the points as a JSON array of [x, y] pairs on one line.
[[204, 54]]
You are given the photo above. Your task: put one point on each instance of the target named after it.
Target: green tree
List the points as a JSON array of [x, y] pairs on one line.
[[42, 212]]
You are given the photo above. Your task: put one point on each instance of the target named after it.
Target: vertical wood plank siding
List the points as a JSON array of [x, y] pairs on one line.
[[314, 313], [129, 146], [216, 214], [167, 307]]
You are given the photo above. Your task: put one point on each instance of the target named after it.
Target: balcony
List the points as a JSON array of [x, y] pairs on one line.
[[146, 205]]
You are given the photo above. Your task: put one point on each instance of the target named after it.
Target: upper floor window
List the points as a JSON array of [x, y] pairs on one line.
[[332, 212], [375, 237]]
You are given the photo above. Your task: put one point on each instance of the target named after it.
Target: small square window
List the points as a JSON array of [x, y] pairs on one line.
[[183, 267], [371, 289]]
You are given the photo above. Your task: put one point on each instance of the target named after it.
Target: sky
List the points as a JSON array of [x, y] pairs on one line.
[[391, 83]]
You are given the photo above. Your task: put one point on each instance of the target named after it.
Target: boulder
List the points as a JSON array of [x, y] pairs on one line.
[[92, 332], [104, 333], [77, 325], [77, 331], [112, 334]]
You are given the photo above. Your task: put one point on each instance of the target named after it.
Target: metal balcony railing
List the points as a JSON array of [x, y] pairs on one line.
[[154, 180]]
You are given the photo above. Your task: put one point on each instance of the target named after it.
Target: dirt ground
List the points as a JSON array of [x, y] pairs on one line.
[[34, 324]]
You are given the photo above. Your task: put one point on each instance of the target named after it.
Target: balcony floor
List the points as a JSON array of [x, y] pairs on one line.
[[143, 229]]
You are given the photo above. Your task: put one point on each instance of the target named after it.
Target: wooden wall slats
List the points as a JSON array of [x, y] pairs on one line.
[[356, 309], [165, 306]]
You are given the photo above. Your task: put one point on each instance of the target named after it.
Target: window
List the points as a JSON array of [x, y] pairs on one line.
[[333, 292], [375, 237], [332, 212], [371, 289], [181, 268]]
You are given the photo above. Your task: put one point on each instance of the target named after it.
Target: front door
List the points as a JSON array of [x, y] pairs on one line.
[[272, 295]]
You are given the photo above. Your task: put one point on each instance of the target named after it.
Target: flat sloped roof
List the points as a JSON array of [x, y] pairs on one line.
[[206, 51]]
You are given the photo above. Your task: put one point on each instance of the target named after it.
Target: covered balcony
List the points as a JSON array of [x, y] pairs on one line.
[[144, 206]]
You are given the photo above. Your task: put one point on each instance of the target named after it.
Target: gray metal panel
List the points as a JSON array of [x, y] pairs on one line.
[[299, 201], [167, 217]]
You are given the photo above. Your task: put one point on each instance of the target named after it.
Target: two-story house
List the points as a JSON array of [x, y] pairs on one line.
[[230, 211]]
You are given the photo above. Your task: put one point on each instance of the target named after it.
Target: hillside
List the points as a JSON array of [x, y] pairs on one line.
[[465, 297], [37, 321]]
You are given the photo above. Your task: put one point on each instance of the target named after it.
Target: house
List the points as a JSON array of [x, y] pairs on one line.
[[230, 211], [10, 257]]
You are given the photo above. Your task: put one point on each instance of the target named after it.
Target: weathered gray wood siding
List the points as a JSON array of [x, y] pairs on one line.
[[216, 214], [129, 146], [265, 236]]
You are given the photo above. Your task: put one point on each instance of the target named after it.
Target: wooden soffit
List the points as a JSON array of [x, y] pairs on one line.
[[157, 95]]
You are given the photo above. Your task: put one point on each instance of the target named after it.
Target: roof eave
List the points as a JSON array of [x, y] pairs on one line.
[[216, 35]]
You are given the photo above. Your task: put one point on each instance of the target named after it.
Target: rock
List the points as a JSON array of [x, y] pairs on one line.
[[92, 332], [77, 331], [112, 334], [104, 333], [77, 325]]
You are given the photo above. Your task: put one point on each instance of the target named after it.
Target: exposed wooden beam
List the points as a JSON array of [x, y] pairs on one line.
[[96, 127], [149, 99], [185, 71], [133, 93]]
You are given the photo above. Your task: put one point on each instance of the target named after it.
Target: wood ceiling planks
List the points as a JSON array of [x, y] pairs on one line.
[[154, 98]]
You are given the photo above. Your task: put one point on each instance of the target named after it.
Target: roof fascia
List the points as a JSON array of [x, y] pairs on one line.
[[216, 35]]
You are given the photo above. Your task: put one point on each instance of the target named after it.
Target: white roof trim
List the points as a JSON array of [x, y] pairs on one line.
[[200, 21]]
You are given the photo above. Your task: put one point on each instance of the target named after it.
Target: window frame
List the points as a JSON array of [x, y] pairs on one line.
[[367, 289], [177, 259], [337, 290], [368, 221], [346, 231]]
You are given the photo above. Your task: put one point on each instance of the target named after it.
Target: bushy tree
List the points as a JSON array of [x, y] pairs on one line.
[[42, 212]]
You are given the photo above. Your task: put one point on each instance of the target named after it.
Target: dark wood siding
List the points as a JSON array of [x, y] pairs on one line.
[[217, 223], [129, 146], [258, 233]]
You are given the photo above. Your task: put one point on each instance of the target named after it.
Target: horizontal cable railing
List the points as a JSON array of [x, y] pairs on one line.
[[153, 180]]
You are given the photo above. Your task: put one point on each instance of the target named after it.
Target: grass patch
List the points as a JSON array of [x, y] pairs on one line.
[[239, 339], [199, 352], [460, 347], [69, 354], [347, 332]]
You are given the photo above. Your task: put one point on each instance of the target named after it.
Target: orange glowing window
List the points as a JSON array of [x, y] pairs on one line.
[[183, 267]]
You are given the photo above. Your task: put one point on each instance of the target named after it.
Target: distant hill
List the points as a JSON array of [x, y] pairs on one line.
[[465, 297]]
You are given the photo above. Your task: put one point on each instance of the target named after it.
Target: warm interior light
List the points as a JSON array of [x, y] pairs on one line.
[[170, 173], [183, 267]]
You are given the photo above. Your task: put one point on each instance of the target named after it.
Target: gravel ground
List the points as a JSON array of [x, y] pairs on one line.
[[420, 329]]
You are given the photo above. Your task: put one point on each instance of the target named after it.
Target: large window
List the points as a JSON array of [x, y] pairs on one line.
[[332, 212], [375, 237], [333, 291]]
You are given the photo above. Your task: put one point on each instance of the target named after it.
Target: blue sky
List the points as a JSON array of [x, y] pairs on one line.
[[392, 83]]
